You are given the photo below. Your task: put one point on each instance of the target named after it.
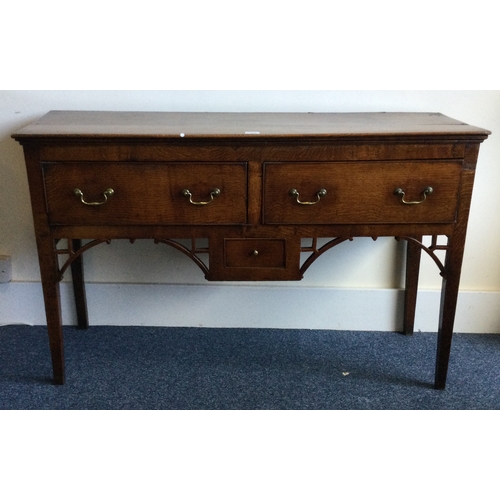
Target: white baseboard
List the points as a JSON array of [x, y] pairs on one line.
[[251, 306]]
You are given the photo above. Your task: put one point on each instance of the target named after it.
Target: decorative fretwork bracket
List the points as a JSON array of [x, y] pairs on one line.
[[317, 252], [190, 252], [74, 253], [429, 250]]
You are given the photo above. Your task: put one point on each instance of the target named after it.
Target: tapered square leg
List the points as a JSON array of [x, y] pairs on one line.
[[449, 298], [50, 285]]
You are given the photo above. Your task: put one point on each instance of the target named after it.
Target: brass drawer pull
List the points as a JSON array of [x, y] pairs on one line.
[[320, 194], [213, 194], [399, 192], [109, 192]]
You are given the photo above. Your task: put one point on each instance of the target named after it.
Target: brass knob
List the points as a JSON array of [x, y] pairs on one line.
[[255, 252]]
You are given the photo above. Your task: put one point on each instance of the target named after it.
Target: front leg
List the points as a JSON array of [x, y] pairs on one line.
[[451, 274], [449, 298], [49, 270]]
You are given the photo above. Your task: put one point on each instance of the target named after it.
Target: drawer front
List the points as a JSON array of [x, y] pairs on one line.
[[146, 193], [361, 192], [254, 253]]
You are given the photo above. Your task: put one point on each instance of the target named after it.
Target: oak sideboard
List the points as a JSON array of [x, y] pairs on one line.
[[247, 195]]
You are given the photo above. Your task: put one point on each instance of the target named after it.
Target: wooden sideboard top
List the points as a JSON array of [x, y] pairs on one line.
[[128, 124]]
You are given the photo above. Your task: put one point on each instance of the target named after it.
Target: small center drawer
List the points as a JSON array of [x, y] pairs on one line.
[[254, 252], [361, 192], [146, 193]]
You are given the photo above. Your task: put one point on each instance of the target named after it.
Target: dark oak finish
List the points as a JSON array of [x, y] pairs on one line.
[[248, 190], [360, 192], [145, 193]]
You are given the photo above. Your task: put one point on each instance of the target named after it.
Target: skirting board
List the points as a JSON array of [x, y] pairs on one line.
[[250, 306]]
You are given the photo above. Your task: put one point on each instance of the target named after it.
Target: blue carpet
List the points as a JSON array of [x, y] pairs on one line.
[[201, 368]]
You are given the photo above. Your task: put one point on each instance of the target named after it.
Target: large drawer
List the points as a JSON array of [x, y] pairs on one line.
[[146, 193], [361, 192]]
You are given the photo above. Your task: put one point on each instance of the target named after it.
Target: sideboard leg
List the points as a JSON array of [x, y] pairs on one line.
[[57, 353], [445, 333], [413, 253], [451, 275], [79, 288], [449, 298], [50, 285]]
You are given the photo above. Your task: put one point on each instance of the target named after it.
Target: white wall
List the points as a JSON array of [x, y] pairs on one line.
[[358, 265]]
